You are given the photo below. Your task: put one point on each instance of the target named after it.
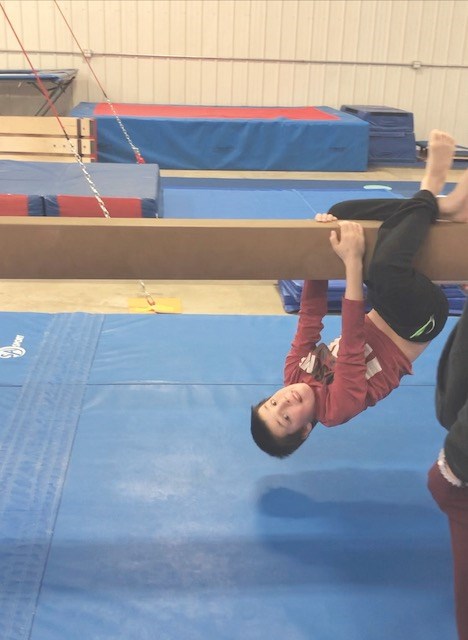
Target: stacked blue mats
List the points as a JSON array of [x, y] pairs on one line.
[[134, 504], [291, 290], [391, 133]]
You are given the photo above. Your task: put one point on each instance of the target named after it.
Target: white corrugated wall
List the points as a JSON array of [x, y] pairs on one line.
[[410, 54]]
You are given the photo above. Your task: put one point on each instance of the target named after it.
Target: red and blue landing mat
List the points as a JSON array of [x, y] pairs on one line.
[[61, 189], [207, 112], [232, 138], [16, 204], [134, 504]]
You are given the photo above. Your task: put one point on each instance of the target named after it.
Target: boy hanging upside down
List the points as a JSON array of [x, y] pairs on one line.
[[332, 384]]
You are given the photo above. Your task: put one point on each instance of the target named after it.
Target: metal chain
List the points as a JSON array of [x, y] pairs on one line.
[[139, 158], [135, 149]]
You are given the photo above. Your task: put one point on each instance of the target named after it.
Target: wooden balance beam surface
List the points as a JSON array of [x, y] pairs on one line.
[[42, 248]]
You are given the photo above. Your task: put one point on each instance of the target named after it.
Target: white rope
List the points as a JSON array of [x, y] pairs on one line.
[[104, 209]]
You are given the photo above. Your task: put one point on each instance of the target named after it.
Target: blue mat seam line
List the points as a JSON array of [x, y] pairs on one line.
[[43, 427], [308, 205], [92, 334]]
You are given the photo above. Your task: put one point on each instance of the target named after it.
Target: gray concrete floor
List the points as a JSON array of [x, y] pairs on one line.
[[210, 297]]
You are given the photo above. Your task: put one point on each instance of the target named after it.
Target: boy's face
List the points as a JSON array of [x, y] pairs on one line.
[[289, 410]]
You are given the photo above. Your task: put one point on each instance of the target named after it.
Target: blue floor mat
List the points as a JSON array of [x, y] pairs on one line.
[[161, 519], [219, 198], [240, 199]]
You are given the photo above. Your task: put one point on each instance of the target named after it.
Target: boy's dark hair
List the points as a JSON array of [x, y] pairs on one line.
[[266, 441]]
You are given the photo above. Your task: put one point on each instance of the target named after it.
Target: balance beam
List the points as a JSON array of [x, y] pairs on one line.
[[162, 249]]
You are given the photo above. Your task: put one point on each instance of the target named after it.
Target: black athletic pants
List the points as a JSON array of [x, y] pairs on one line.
[[414, 307]]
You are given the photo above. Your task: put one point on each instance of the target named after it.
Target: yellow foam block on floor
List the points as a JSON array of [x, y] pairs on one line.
[[161, 305]]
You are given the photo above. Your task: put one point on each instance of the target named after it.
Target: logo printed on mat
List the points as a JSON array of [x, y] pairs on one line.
[[14, 350]]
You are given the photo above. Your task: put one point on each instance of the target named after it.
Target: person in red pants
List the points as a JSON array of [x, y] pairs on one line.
[[448, 477]]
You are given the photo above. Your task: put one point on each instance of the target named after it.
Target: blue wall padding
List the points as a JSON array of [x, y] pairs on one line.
[[274, 145], [45, 182], [133, 499]]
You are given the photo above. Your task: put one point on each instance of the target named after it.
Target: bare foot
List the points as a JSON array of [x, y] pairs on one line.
[[441, 148], [454, 206]]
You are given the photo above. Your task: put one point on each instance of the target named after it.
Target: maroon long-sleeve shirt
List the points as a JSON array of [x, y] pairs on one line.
[[363, 364]]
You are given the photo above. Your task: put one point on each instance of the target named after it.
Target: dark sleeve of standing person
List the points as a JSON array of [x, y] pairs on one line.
[[448, 477], [452, 397]]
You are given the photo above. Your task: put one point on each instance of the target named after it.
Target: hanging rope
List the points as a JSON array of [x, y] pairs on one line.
[[76, 155], [139, 158]]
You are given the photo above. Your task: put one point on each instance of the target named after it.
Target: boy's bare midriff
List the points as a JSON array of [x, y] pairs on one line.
[[412, 350]]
